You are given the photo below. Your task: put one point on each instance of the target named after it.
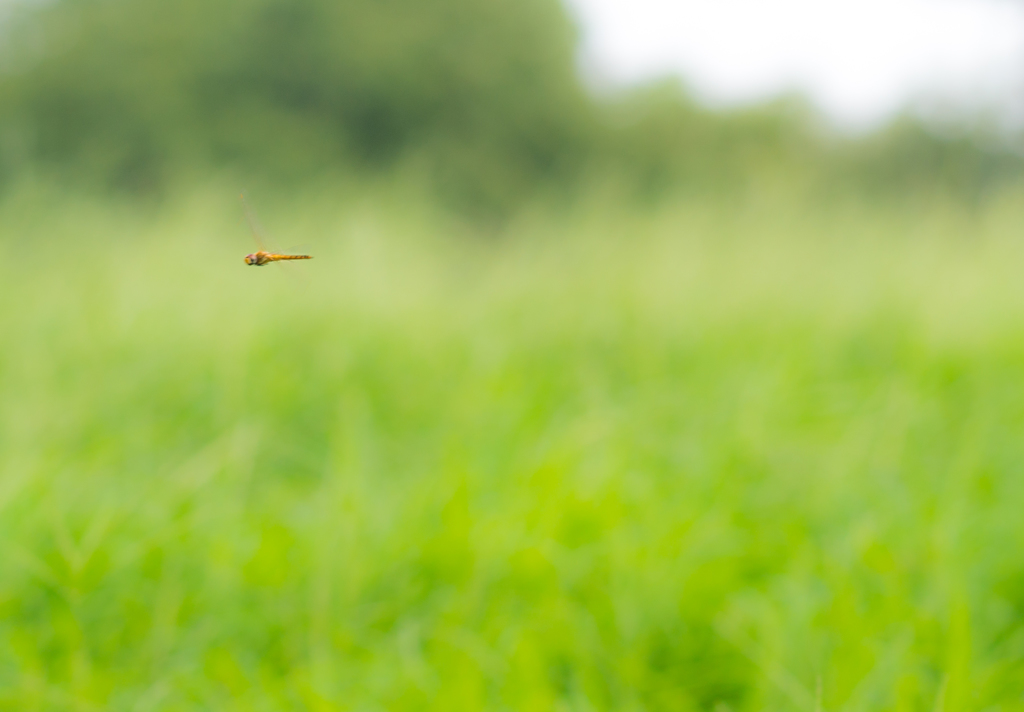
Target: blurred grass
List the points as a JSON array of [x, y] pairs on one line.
[[713, 456]]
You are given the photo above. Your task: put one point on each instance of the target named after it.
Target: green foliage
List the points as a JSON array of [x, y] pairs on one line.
[[662, 142], [659, 143], [478, 98], [484, 92], [906, 158], [724, 456]]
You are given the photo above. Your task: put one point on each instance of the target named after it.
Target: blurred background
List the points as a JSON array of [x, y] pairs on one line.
[[654, 355], [494, 104]]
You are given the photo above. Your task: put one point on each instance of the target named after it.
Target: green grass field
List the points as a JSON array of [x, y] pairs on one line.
[[711, 457]]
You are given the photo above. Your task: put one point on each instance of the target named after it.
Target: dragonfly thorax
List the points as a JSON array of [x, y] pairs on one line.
[[257, 259]]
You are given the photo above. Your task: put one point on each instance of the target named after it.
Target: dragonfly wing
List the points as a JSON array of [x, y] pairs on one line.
[[254, 226]]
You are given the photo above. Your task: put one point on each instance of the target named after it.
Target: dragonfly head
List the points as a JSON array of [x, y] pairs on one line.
[[251, 260]]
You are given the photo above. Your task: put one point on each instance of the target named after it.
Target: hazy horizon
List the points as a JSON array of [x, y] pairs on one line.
[[859, 63]]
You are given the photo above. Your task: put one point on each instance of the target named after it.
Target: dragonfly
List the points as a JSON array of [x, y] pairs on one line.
[[263, 256]]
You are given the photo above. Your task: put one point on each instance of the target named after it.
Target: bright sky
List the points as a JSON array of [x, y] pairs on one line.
[[859, 60]]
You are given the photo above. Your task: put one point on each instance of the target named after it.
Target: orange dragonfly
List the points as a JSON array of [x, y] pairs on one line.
[[262, 256]]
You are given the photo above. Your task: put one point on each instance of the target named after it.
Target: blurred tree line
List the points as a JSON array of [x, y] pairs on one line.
[[481, 96]]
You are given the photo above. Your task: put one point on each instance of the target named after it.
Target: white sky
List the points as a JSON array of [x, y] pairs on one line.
[[859, 60]]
